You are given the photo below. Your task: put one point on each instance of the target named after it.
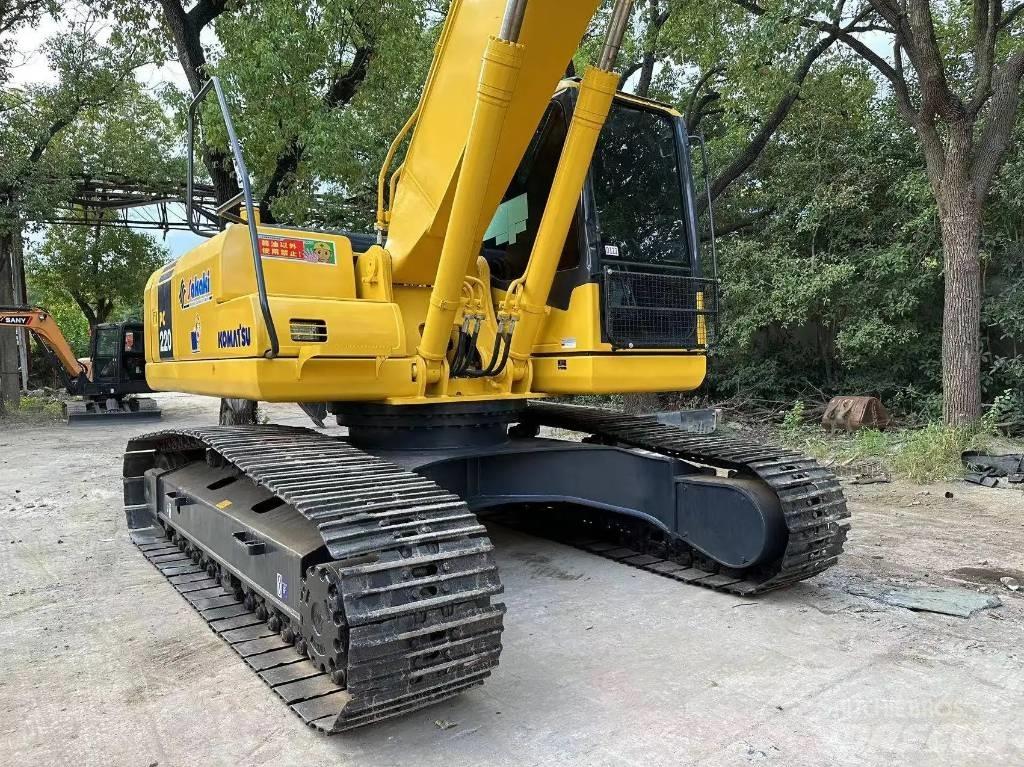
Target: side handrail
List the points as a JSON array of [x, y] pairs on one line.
[[699, 138], [250, 209]]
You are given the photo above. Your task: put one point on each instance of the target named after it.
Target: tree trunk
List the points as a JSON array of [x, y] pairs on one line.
[[10, 386], [960, 217], [20, 298], [192, 57], [238, 412], [643, 86]]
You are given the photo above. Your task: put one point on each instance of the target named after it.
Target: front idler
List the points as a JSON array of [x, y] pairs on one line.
[[323, 626]]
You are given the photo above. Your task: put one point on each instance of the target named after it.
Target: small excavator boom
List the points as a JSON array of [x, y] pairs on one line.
[[41, 324]]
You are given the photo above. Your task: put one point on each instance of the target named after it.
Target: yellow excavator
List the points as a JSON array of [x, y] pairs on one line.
[[538, 238], [108, 380]]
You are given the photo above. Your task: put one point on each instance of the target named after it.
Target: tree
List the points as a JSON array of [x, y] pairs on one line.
[[100, 268], [955, 73], [15, 17], [839, 290], [34, 175], [734, 80], [726, 74], [319, 87], [186, 28]]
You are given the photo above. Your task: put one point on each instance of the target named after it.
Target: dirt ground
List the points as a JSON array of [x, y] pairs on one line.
[[102, 663]]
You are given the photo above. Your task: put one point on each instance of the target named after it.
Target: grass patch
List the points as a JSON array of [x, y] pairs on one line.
[[928, 454], [35, 409]]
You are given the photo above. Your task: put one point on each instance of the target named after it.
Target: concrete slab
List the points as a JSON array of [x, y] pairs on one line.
[[103, 663]]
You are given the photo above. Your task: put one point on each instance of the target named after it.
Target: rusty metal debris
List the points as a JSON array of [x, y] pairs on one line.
[[853, 413]]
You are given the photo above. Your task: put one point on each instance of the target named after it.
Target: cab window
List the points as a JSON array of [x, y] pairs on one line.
[[510, 237]]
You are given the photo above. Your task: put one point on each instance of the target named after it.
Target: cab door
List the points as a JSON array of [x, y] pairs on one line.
[[106, 355]]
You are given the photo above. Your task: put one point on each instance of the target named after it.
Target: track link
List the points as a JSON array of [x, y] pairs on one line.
[[412, 577], [811, 497]]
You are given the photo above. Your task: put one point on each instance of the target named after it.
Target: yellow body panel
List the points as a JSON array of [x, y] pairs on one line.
[[366, 355], [374, 326], [210, 311], [617, 373], [288, 379]]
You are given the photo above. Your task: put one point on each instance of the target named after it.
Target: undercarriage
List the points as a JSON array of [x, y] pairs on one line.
[[102, 409], [354, 575]]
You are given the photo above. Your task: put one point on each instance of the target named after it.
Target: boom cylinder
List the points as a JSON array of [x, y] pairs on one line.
[[498, 76], [529, 302]]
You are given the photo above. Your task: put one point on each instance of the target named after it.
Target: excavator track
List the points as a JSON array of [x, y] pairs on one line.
[[410, 582], [810, 495]]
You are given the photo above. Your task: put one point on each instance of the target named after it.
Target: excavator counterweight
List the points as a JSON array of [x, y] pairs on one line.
[[536, 237]]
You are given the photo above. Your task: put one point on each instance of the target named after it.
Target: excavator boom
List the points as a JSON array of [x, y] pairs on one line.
[[40, 323], [426, 183]]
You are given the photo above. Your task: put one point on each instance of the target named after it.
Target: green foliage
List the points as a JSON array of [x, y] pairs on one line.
[[102, 271], [928, 454], [793, 421], [840, 290], [933, 453], [1006, 413], [90, 118], [46, 407], [34, 409], [281, 62], [17, 17]]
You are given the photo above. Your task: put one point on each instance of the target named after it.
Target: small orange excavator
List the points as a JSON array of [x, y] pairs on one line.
[[107, 380]]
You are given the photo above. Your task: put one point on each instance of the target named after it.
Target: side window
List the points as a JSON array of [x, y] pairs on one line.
[[510, 237]]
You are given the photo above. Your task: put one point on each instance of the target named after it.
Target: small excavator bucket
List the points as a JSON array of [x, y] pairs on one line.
[[99, 411]]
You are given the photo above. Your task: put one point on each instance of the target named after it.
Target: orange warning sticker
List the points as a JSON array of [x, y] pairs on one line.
[[298, 249]]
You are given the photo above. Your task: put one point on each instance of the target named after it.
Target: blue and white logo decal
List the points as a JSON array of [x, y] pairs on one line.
[[198, 290], [282, 587], [238, 338], [194, 336]]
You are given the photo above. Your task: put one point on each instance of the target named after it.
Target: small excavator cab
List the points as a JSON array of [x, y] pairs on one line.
[[118, 355], [118, 370]]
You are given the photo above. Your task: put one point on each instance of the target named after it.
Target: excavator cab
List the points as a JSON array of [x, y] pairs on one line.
[[114, 373], [630, 277], [634, 233]]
